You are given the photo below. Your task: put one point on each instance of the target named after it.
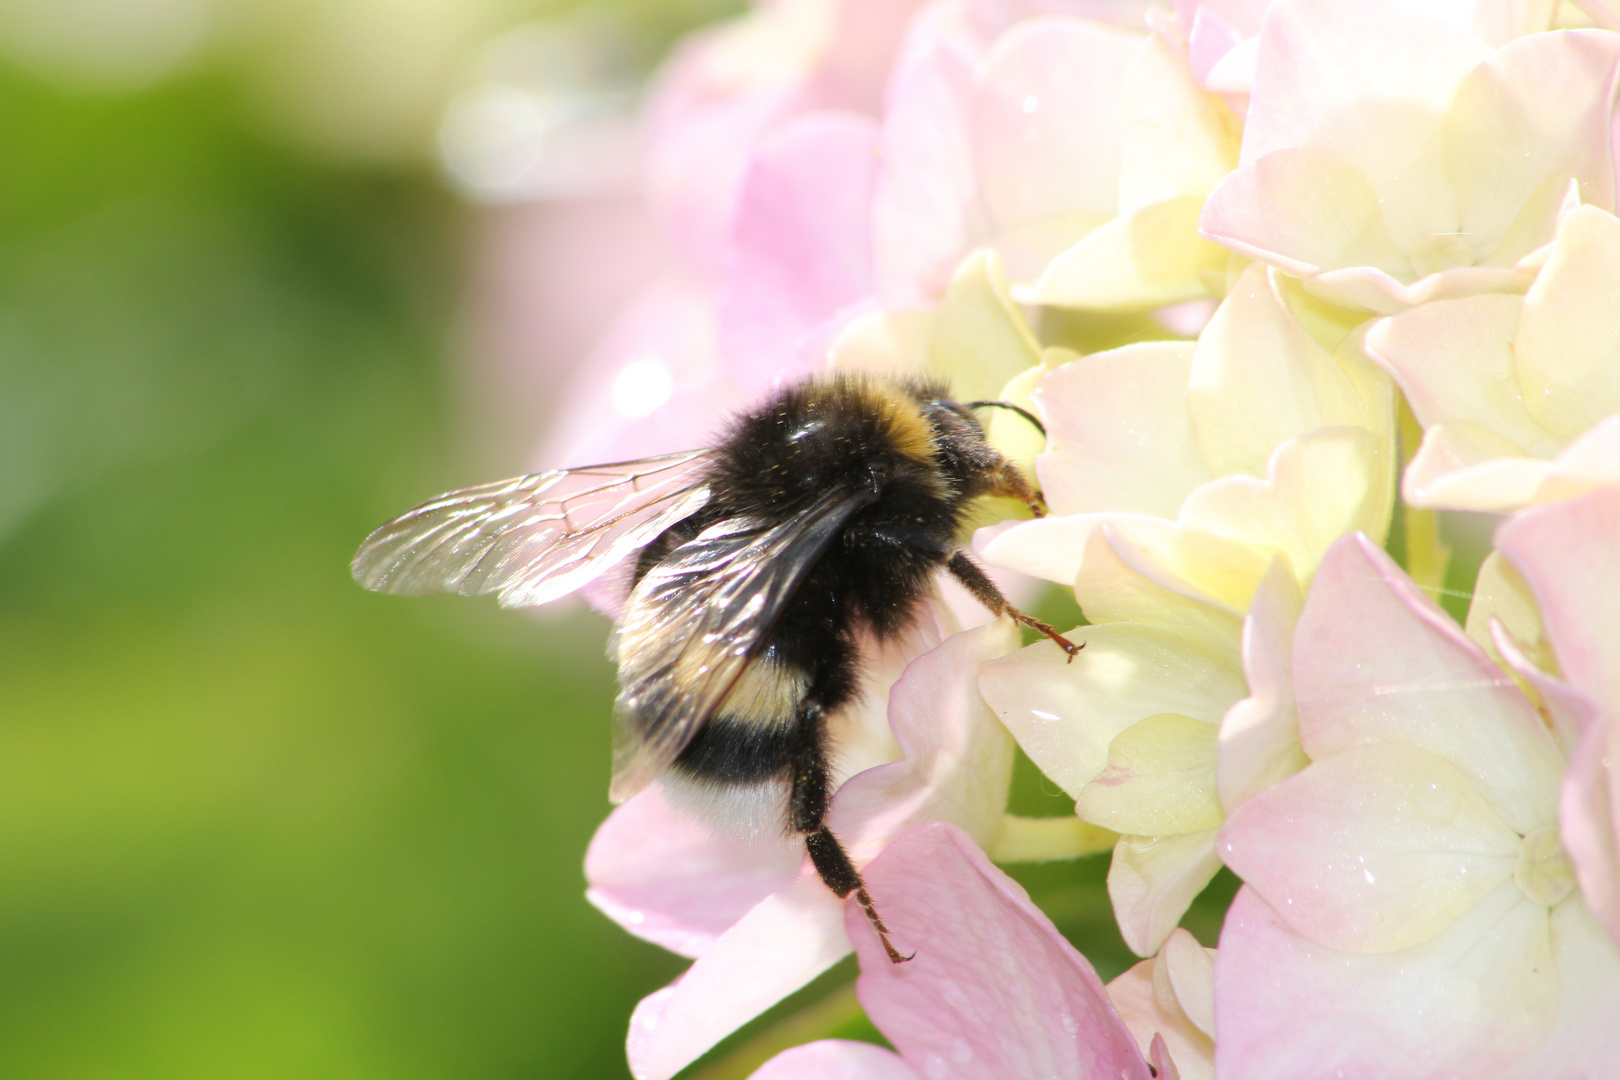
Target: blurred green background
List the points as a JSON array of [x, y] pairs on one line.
[[255, 822]]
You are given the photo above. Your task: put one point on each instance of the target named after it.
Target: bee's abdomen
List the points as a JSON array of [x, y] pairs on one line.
[[737, 750], [750, 738]]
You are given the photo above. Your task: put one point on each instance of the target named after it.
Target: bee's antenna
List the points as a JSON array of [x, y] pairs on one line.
[[1025, 413]]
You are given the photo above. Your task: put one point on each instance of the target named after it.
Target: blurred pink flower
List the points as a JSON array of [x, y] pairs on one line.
[[1569, 554], [726, 89], [757, 176], [1408, 910], [1375, 162], [760, 922], [994, 991]]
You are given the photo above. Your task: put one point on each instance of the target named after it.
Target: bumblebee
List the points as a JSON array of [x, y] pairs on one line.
[[759, 568]]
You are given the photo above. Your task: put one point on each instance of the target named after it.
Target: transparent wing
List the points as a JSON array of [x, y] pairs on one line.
[[533, 538], [697, 619]]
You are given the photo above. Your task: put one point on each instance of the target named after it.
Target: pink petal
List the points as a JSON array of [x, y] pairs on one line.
[[1569, 553], [670, 880], [801, 246], [958, 757], [785, 941], [994, 990], [1463, 1005], [1209, 39], [836, 1059], [1373, 849], [1589, 820], [866, 37], [1375, 661]]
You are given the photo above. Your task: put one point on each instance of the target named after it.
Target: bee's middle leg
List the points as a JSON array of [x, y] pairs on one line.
[[808, 810]]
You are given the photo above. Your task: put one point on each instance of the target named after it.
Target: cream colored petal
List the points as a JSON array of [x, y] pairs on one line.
[[1053, 548], [1500, 593], [884, 342], [1523, 124], [1160, 779], [1153, 879], [1119, 581], [1258, 379], [1150, 257], [1456, 360], [1568, 342], [1305, 210], [1119, 433], [1468, 467], [1065, 714], [979, 339], [1016, 438], [1259, 736], [1317, 488], [1043, 839], [1185, 974], [1370, 289], [1178, 139], [1584, 1040], [1590, 462]]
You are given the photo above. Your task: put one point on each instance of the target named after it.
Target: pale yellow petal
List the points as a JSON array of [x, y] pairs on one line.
[[1160, 779]]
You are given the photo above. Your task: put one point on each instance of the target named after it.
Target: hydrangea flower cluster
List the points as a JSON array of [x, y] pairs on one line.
[[1276, 274]]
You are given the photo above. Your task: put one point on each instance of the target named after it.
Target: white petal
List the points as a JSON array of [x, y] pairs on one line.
[[1046, 119], [835, 1059]]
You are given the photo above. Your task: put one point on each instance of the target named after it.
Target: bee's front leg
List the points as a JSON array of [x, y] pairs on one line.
[[969, 573], [1008, 481]]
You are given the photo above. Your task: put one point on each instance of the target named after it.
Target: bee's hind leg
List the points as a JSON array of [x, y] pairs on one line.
[[809, 810], [979, 584]]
